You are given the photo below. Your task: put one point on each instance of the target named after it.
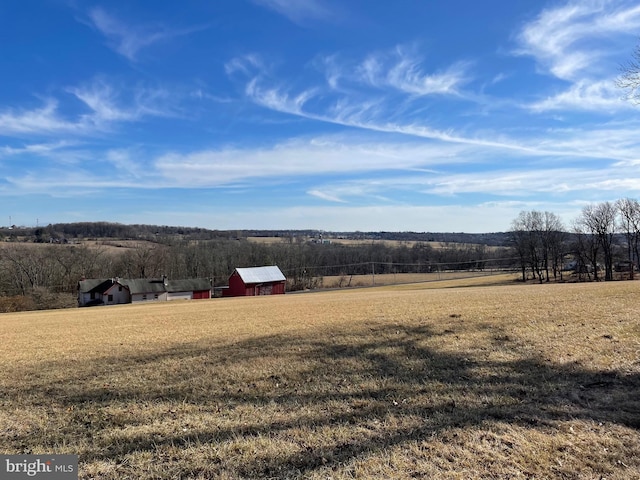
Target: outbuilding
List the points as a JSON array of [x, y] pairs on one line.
[[256, 281], [188, 289]]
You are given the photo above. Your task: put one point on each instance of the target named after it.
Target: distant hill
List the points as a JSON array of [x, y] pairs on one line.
[[81, 230]]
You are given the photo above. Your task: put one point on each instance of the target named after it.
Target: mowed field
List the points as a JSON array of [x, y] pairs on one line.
[[515, 381]]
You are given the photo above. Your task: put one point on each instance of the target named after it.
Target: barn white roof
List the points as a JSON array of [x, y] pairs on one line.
[[260, 274]]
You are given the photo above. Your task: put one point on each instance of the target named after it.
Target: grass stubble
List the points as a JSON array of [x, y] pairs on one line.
[[519, 381]]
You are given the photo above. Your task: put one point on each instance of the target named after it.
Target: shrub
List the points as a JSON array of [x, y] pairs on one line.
[[16, 303]]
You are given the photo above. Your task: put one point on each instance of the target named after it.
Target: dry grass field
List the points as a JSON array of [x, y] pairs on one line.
[[388, 243], [500, 382], [468, 277], [109, 246]]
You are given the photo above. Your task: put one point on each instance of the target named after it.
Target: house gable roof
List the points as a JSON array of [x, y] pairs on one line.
[[95, 285], [261, 274], [112, 287], [143, 285]]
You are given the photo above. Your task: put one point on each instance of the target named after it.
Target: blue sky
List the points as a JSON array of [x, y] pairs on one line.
[[337, 115]]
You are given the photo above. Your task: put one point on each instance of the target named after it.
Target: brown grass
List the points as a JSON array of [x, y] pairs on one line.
[[388, 243], [521, 381], [467, 278], [108, 246]]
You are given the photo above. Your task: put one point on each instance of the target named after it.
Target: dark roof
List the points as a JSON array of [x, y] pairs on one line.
[[188, 285], [144, 285], [95, 285]]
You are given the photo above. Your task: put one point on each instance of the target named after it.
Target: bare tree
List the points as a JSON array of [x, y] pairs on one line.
[[629, 80], [600, 221], [629, 210], [143, 262], [553, 239], [585, 250], [527, 234], [24, 268], [538, 238], [520, 239]]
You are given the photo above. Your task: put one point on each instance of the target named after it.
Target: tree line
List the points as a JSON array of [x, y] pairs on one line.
[[604, 236]]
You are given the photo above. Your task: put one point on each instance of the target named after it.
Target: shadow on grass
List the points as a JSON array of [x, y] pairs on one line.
[[335, 396]]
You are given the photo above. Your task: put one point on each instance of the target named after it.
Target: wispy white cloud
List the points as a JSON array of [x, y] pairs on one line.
[[282, 163], [325, 196], [94, 171], [309, 158], [108, 104], [279, 100], [332, 70], [247, 64], [359, 108], [42, 149], [53, 181], [105, 106], [524, 182], [298, 11], [128, 40], [403, 70], [373, 188], [372, 115], [345, 104], [567, 40], [616, 142], [43, 120], [201, 94], [528, 182], [416, 166], [101, 99], [602, 96], [126, 163]]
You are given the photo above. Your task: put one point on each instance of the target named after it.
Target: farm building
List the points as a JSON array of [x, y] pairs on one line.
[[256, 281], [114, 291]]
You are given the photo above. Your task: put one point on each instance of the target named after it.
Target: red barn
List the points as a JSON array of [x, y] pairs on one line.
[[256, 281]]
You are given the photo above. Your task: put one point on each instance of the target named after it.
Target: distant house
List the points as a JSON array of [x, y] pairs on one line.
[[115, 291], [256, 281], [624, 266]]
